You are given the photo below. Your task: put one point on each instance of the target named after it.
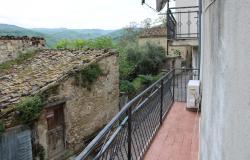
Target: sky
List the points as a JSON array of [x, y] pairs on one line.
[[75, 14]]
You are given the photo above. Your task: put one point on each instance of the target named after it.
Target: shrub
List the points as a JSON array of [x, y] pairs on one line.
[[63, 44], [88, 76], [134, 54], [147, 80], [177, 52], [102, 42], [79, 43], [126, 70], [148, 59], [143, 81], [127, 87], [98, 43], [30, 108]]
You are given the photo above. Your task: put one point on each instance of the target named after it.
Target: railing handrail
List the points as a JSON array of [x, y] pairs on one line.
[[91, 146], [133, 118]]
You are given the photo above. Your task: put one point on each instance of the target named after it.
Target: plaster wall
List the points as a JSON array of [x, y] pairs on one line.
[[225, 80]]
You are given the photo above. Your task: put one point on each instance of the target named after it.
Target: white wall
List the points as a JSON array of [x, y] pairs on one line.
[[184, 3], [183, 18], [225, 118]]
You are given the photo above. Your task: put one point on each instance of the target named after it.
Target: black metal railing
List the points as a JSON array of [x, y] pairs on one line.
[[186, 22], [182, 77], [129, 133], [171, 25]]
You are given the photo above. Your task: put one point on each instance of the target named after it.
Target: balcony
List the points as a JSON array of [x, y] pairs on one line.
[[153, 125], [183, 22]]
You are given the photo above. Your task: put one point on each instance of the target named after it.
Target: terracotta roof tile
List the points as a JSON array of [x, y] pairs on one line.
[[154, 32]]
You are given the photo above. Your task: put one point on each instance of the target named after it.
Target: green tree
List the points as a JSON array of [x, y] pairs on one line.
[[63, 44]]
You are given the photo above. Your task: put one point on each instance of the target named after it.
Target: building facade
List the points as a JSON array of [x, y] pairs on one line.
[[225, 80], [73, 107]]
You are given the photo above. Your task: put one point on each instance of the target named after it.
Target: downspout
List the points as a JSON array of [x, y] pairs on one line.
[[199, 38], [167, 27]]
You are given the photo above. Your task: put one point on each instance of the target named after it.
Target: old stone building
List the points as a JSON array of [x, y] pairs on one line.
[[158, 35], [72, 109], [11, 47]]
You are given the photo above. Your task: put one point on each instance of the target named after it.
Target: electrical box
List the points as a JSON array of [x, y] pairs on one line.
[[193, 94]]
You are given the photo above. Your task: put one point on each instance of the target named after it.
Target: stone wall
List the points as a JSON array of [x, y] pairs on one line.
[[11, 47], [85, 111]]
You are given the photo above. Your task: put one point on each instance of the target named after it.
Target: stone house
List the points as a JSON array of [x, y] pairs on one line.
[[158, 35], [11, 47], [71, 112]]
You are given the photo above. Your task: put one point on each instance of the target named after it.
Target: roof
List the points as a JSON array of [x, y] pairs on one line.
[[154, 32], [44, 69]]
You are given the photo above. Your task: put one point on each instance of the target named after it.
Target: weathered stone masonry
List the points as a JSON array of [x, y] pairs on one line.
[[11, 47], [51, 72]]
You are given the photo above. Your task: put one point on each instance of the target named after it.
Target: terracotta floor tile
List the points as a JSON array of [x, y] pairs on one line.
[[178, 137]]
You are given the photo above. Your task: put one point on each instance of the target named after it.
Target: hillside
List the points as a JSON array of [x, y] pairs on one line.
[[53, 35]]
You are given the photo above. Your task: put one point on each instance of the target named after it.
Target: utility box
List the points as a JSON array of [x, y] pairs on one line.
[[193, 94]]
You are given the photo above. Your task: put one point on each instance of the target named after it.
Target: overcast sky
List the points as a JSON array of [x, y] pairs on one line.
[[104, 14]]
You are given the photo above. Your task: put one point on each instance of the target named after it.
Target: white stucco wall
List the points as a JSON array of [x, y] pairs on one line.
[[183, 18], [225, 117], [184, 3]]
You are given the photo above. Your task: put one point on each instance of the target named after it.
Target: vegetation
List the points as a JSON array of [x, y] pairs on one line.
[[53, 36], [143, 81], [99, 43], [140, 67], [127, 87], [88, 76], [2, 129], [19, 60], [177, 52], [30, 108]]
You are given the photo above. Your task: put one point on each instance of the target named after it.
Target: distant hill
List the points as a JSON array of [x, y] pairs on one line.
[[63, 33], [54, 35]]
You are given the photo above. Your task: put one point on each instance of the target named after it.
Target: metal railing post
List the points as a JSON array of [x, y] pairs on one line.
[[129, 132], [161, 102], [173, 78]]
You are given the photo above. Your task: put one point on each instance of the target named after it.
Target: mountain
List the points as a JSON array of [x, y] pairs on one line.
[[6, 29], [64, 33], [53, 35]]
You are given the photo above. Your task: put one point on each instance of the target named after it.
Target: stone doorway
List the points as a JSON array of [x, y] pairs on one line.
[[56, 130]]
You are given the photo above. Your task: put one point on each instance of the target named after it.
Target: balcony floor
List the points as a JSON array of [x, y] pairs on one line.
[[178, 138]]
